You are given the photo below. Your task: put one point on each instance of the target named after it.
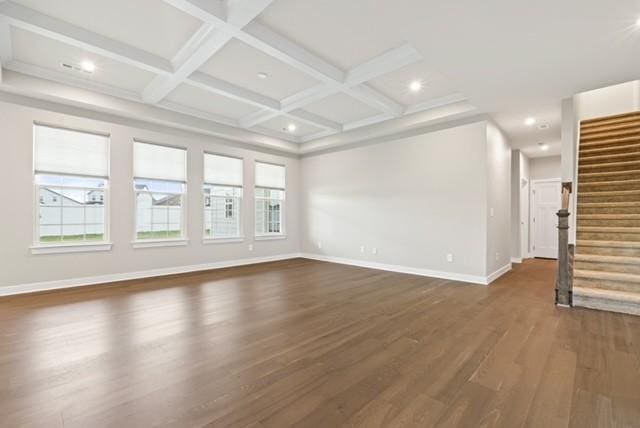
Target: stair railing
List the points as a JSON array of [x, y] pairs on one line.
[[564, 281]]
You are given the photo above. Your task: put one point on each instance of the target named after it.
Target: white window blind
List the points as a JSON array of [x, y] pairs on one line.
[[222, 170], [62, 151], [270, 175], [156, 162]]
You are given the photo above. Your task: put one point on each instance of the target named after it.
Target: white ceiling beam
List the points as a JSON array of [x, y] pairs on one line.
[[268, 41], [238, 14], [375, 99], [6, 47], [36, 22], [315, 120], [205, 10], [389, 61], [229, 90]]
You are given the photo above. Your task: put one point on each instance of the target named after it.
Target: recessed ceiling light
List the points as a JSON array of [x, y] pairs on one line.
[[262, 75], [638, 22], [88, 66], [415, 86], [543, 146], [530, 121], [291, 127]]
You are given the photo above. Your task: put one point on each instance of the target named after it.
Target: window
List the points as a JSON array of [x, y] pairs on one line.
[[70, 168], [160, 174], [222, 193], [270, 196]]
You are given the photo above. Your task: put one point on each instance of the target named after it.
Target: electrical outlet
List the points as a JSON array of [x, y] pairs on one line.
[[319, 245], [491, 213], [250, 247], [362, 249], [374, 250], [450, 257], [497, 256]]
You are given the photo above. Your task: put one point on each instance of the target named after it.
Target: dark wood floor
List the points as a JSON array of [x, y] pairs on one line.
[[305, 343]]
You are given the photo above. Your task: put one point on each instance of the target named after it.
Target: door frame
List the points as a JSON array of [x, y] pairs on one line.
[[532, 185]]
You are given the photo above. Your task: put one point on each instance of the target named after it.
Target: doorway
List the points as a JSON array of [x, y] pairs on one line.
[[545, 203]]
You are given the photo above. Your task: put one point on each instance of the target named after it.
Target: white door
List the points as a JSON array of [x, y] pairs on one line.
[[545, 198]]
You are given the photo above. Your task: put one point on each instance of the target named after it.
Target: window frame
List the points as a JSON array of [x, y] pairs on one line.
[[241, 202], [40, 247], [283, 205], [183, 239]]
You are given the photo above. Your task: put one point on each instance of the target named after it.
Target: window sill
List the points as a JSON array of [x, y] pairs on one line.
[[154, 243], [269, 237], [70, 248], [207, 241]]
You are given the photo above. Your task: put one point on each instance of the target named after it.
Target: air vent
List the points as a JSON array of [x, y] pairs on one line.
[[75, 67], [543, 126]]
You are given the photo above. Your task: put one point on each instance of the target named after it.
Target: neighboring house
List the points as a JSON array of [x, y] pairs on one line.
[[66, 214]]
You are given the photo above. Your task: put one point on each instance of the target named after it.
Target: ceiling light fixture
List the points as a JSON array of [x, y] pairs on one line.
[[638, 22], [262, 75], [530, 121], [415, 86], [543, 146], [291, 127], [88, 66]]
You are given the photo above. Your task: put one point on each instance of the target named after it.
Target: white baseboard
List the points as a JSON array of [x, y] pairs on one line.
[[103, 279], [498, 273], [474, 279], [516, 259]]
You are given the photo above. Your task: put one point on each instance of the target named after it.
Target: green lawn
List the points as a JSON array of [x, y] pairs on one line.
[[72, 238]]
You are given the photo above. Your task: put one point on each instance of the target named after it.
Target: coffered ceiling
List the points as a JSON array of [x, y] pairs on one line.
[[296, 74]]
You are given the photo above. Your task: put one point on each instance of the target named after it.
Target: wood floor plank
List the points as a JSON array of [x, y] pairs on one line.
[[312, 344]]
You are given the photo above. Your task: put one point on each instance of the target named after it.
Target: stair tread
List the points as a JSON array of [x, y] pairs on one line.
[[613, 155], [601, 293], [608, 148], [609, 216], [626, 204], [631, 172], [610, 164], [607, 259], [610, 127], [611, 244], [608, 229], [615, 117], [610, 183], [611, 276], [611, 193]]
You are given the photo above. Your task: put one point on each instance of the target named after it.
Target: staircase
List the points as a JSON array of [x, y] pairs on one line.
[[607, 261]]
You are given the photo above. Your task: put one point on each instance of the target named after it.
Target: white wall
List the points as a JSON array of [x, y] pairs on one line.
[[415, 200], [544, 168], [499, 199], [609, 101], [520, 185], [19, 266]]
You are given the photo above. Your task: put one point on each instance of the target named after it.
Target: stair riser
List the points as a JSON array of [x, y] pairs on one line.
[[609, 251], [609, 143], [609, 197], [609, 187], [587, 152], [608, 167], [605, 305], [608, 222], [608, 236], [625, 175], [631, 126], [605, 284], [608, 267], [607, 158], [611, 120], [608, 210]]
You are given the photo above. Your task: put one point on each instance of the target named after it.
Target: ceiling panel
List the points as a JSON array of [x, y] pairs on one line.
[[280, 124], [208, 102], [240, 64], [346, 33], [396, 84], [151, 25], [43, 52], [341, 108]]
